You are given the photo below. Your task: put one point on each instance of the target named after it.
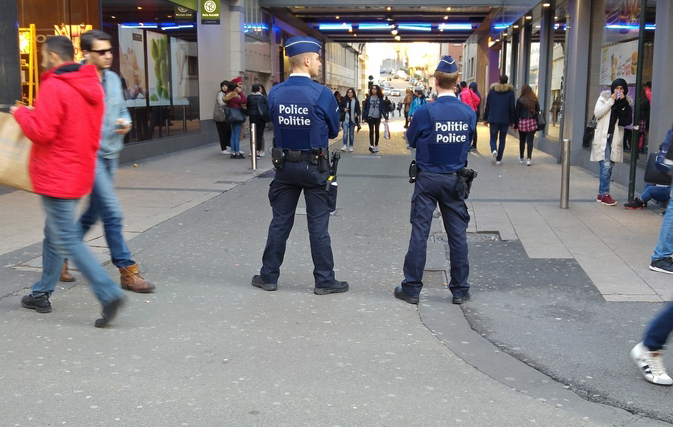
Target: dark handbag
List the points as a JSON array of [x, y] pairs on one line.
[[589, 132], [234, 115], [541, 121], [263, 110], [652, 173], [663, 152]]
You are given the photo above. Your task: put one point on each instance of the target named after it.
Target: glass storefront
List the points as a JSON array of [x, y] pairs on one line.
[[555, 101], [619, 57], [155, 54]]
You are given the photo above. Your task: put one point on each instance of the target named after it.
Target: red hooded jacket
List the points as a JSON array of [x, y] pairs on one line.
[[65, 127], [470, 98]]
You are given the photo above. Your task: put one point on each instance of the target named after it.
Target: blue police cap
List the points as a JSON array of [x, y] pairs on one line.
[[301, 44], [447, 65]]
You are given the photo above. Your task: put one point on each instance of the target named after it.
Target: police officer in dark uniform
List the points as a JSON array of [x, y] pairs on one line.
[[305, 115], [441, 132]]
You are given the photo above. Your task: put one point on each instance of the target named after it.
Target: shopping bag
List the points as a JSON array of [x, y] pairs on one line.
[[14, 154], [386, 131]]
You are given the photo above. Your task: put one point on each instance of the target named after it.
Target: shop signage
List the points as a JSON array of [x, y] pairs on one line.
[[190, 4], [210, 12], [183, 14]]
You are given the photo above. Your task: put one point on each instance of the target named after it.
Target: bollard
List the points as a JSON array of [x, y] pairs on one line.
[[565, 173], [253, 146]]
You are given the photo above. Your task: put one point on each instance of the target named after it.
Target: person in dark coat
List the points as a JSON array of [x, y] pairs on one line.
[[499, 113], [258, 110], [349, 117]]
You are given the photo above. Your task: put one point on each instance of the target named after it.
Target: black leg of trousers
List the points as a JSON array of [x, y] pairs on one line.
[[259, 134], [529, 141], [522, 143], [474, 139], [224, 132], [377, 125]]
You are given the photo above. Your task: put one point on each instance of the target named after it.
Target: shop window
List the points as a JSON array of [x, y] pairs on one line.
[[619, 56], [555, 101], [156, 57]]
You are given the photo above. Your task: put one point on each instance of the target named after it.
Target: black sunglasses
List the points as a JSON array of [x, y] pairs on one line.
[[102, 51]]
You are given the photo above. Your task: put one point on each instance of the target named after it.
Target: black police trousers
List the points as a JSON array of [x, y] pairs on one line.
[[432, 189], [284, 193]]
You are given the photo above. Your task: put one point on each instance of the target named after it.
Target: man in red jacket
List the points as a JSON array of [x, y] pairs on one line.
[[65, 129]]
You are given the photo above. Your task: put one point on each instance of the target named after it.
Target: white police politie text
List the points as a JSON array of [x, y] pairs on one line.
[[446, 132], [293, 115]]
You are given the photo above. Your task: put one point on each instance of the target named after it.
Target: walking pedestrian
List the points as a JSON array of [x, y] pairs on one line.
[[399, 108], [349, 116], [374, 111], [305, 115], [224, 128], [65, 128], [441, 132], [258, 110], [526, 112], [389, 106], [499, 115], [469, 97], [103, 201], [473, 88], [613, 111], [408, 99], [648, 354], [237, 101]]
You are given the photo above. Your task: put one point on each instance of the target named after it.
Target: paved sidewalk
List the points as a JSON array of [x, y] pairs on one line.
[[207, 347]]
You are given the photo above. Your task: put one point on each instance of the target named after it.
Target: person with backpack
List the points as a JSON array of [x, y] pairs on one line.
[[258, 110]]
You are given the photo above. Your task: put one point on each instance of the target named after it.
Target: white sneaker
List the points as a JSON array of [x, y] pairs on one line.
[[261, 153], [528, 162], [494, 155], [520, 160], [344, 148], [498, 163], [226, 152], [650, 364], [376, 149], [350, 148]]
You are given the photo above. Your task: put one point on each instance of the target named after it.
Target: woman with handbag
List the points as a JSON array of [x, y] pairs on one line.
[[258, 110], [526, 112], [223, 128], [236, 103], [613, 111], [349, 116]]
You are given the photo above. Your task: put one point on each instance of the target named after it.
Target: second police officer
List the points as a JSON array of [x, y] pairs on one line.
[[305, 116], [441, 132]]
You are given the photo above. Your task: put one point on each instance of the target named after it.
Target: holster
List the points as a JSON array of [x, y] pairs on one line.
[[321, 156], [293, 156], [413, 171], [277, 157], [464, 183]]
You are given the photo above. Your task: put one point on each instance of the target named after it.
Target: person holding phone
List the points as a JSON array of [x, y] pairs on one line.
[[613, 111]]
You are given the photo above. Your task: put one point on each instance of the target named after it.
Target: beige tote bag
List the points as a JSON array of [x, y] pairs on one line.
[[14, 154]]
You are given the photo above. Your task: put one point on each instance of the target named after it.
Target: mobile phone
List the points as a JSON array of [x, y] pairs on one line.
[[122, 125]]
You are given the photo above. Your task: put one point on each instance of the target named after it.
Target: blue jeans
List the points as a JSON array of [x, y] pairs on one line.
[[105, 204], [660, 194], [665, 244], [659, 329], [62, 237], [605, 170], [502, 130], [349, 132], [235, 140]]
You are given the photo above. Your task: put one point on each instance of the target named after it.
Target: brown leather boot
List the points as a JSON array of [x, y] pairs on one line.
[[132, 281], [65, 274]]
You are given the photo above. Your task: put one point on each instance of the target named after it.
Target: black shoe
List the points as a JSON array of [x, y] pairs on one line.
[[233, 156], [399, 293], [662, 265], [635, 204], [240, 156], [460, 300], [40, 304], [110, 312], [258, 282], [336, 288]]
